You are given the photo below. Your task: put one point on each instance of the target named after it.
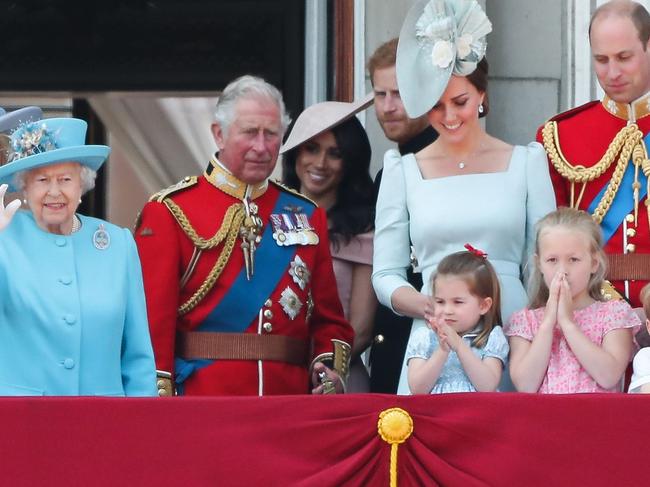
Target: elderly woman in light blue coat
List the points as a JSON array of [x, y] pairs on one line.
[[72, 316]]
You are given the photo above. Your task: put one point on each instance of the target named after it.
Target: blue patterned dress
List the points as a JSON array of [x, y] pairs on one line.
[[453, 378]]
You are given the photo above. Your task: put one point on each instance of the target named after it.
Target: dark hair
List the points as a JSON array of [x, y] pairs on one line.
[[636, 12], [479, 79], [353, 212], [482, 281], [384, 57]]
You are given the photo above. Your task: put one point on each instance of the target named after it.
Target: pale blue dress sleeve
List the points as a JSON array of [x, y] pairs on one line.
[[497, 346], [138, 366], [422, 344], [391, 254], [540, 199]]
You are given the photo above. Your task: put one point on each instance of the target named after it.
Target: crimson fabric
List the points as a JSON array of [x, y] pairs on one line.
[[500, 439]]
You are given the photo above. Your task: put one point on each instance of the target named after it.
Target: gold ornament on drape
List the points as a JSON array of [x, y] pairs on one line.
[[394, 427]]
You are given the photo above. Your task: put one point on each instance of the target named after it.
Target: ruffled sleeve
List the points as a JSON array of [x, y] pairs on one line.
[[497, 345], [618, 314], [422, 344], [391, 254], [521, 324]]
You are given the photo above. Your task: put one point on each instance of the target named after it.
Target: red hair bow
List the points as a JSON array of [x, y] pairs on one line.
[[476, 252]]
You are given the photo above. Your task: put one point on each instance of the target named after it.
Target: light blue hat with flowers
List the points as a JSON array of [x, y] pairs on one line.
[[438, 38], [50, 141]]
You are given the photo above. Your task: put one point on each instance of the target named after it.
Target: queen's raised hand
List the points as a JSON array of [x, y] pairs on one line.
[[6, 212]]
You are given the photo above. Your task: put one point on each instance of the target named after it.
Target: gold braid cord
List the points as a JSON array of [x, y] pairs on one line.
[[645, 167], [628, 142], [229, 232], [235, 212]]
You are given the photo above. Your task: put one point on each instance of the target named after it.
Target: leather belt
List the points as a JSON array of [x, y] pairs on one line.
[[624, 267], [241, 346]]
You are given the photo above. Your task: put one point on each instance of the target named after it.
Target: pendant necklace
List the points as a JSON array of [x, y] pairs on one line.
[[462, 163]]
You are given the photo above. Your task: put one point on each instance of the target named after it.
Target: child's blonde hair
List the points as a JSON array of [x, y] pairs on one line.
[[644, 297], [578, 221], [482, 281]]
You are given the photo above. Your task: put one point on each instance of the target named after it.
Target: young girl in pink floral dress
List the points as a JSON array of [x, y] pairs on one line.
[[570, 340]]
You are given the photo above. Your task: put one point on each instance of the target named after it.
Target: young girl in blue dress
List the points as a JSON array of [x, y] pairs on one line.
[[463, 349]]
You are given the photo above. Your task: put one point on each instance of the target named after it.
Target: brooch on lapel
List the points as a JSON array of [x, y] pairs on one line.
[[101, 238]]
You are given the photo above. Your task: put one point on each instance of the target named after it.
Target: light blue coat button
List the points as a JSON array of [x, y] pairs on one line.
[[70, 319], [61, 242], [68, 363], [65, 280]]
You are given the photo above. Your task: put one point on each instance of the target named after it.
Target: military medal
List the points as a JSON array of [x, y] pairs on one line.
[[101, 238], [299, 272], [290, 302], [292, 229], [250, 233]]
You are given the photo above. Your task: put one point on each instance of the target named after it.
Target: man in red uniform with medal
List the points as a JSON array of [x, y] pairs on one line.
[[597, 152], [241, 295]]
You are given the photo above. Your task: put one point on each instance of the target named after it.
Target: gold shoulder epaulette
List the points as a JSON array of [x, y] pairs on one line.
[[286, 188], [186, 182]]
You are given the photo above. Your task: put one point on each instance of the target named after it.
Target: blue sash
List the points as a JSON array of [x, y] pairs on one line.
[[623, 202], [243, 301]]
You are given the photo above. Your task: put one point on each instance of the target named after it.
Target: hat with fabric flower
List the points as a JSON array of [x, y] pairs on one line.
[[9, 121], [438, 38], [50, 141]]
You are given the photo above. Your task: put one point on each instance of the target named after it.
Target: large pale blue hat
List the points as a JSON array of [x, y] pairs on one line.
[[438, 38], [9, 121], [50, 141]]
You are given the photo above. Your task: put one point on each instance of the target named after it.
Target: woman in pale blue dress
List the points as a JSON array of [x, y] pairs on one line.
[[467, 186]]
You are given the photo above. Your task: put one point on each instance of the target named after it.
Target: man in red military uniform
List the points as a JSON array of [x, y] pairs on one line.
[[597, 151], [241, 295]]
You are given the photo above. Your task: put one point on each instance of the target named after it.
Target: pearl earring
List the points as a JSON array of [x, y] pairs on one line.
[[480, 108], [25, 201], [79, 200]]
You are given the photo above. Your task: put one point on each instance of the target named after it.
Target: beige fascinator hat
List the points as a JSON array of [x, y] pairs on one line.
[[316, 119], [438, 38]]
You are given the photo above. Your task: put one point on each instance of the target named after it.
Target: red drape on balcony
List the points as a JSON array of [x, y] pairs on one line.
[[458, 440]]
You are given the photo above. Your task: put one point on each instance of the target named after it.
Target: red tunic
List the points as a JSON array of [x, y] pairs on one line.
[[584, 135], [165, 252]]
